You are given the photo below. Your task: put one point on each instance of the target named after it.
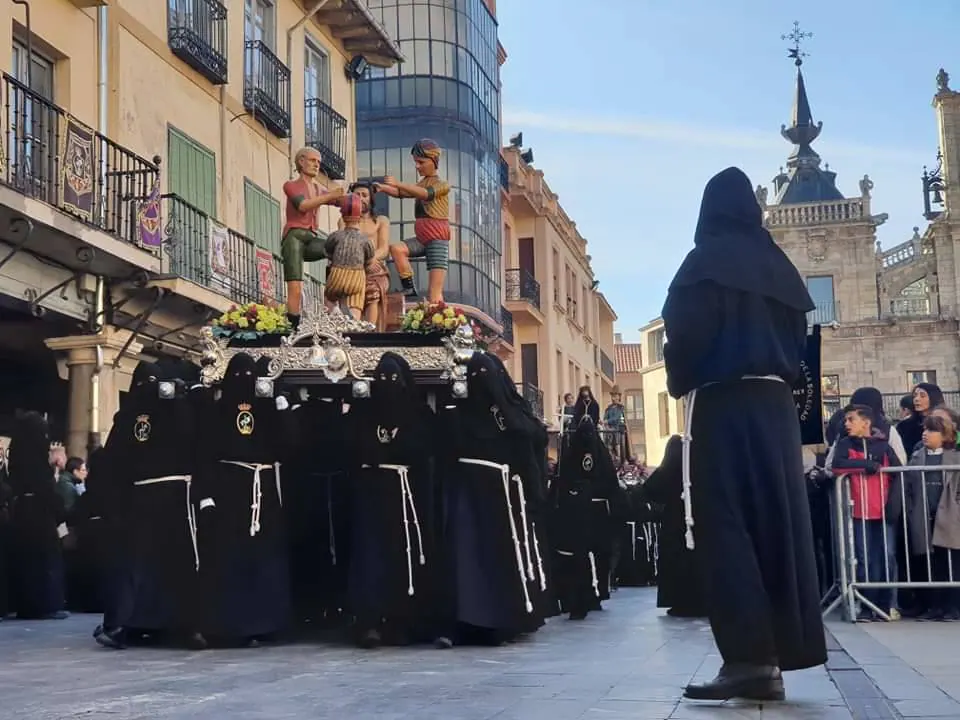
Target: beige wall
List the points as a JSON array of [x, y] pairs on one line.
[[536, 212], [150, 90], [658, 427]]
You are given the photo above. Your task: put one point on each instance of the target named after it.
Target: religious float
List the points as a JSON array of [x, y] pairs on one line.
[[330, 348]]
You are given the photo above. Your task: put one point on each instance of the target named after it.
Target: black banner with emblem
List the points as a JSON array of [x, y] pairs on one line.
[[807, 392], [78, 158]]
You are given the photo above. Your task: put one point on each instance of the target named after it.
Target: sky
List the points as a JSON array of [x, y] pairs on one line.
[[631, 106]]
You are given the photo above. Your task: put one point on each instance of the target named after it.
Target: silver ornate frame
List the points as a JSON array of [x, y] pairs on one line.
[[331, 353]]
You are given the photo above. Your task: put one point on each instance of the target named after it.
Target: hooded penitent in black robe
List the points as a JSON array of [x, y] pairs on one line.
[[36, 563], [735, 322], [639, 536], [490, 552], [6, 550], [317, 489], [388, 589], [151, 453], [244, 570], [87, 592], [679, 586], [581, 495], [547, 604]]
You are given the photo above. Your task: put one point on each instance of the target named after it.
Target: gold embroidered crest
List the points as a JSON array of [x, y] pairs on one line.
[[385, 435], [141, 428], [245, 419], [587, 463], [498, 417]]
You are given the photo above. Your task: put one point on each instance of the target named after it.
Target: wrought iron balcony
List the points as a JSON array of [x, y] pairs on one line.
[[266, 87], [506, 320], [326, 132], [822, 314], [50, 156], [504, 173], [522, 285], [533, 395], [221, 259], [606, 366], [197, 34]]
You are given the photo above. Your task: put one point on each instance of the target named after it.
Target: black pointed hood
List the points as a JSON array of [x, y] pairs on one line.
[[734, 250]]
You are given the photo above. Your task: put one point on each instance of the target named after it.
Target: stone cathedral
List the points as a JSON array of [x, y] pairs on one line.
[[889, 317]]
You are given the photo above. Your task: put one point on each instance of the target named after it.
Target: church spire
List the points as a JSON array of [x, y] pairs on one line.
[[804, 181]]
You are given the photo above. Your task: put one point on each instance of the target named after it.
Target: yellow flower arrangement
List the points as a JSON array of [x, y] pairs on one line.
[[250, 321], [428, 317]]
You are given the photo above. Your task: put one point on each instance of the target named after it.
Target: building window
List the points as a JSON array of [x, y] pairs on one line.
[[316, 73], [681, 416], [191, 171], [830, 394], [913, 300], [915, 377], [656, 341], [821, 292], [262, 217], [556, 278], [663, 405], [633, 405], [33, 126], [259, 22]]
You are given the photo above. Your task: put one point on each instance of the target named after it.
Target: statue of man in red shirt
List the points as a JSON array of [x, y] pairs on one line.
[[301, 243]]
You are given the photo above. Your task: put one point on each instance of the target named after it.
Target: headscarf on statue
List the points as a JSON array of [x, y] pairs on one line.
[[734, 250]]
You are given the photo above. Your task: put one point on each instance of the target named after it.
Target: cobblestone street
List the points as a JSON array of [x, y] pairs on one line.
[[629, 662]]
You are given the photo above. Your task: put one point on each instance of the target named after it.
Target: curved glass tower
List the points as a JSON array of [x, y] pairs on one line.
[[447, 90]]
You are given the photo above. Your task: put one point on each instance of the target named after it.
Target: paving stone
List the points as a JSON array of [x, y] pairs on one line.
[[630, 661]]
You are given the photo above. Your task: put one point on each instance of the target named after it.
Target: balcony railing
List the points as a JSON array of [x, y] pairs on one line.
[[504, 173], [822, 314], [197, 34], [506, 320], [910, 306], [52, 157], [522, 285], [326, 132], [533, 395], [266, 87], [606, 365], [228, 262]]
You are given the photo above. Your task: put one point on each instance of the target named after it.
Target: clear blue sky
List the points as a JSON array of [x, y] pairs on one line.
[[630, 106]]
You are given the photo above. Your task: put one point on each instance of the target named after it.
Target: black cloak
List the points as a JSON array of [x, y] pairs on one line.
[[391, 442], [36, 563], [735, 323]]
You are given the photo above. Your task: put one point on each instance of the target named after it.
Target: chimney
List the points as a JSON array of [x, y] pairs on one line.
[[618, 338]]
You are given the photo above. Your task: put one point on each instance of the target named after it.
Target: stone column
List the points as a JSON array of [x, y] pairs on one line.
[[81, 357]]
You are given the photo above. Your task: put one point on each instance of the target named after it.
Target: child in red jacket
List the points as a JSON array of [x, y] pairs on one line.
[[877, 504]]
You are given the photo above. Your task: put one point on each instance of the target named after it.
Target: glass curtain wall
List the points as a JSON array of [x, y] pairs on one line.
[[447, 90]]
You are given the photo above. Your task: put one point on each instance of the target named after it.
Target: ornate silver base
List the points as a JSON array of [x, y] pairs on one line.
[[321, 345]]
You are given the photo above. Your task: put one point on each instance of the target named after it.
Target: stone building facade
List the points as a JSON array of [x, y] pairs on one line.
[[889, 317]]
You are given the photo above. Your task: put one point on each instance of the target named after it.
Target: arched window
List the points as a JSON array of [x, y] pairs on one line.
[[913, 300]]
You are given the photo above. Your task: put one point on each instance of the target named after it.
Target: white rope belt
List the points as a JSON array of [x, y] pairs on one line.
[[191, 514], [505, 477], [256, 469], [526, 526], [633, 539], [593, 574], [406, 498], [536, 550], [689, 401]]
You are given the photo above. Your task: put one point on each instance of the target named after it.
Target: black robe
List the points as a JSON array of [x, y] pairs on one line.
[[679, 585], [241, 528], [36, 562], [735, 316], [151, 454], [6, 550], [391, 502], [492, 556], [88, 587], [317, 490]]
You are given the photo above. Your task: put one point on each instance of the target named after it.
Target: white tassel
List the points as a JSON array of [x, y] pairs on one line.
[[536, 549], [593, 574], [526, 528], [687, 441]]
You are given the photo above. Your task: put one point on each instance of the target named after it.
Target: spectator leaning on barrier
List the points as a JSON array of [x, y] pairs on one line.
[[873, 399], [924, 493], [877, 504], [946, 533]]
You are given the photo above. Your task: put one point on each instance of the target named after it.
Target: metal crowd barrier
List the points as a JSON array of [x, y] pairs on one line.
[[860, 574]]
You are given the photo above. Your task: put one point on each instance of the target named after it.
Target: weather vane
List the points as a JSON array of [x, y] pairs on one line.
[[795, 53]]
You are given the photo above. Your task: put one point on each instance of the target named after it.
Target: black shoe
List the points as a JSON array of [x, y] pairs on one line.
[[578, 615], [195, 641], [951, 615], [58, 615], [933, 614], [409, 289], [294, 322], [763, 683], [370, 639], [113, 639], [443, 643]]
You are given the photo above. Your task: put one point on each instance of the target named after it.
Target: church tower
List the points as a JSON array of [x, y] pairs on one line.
[[878, 309]]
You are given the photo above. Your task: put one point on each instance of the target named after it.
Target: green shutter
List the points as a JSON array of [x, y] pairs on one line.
[[192, 172], [262, 213]]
